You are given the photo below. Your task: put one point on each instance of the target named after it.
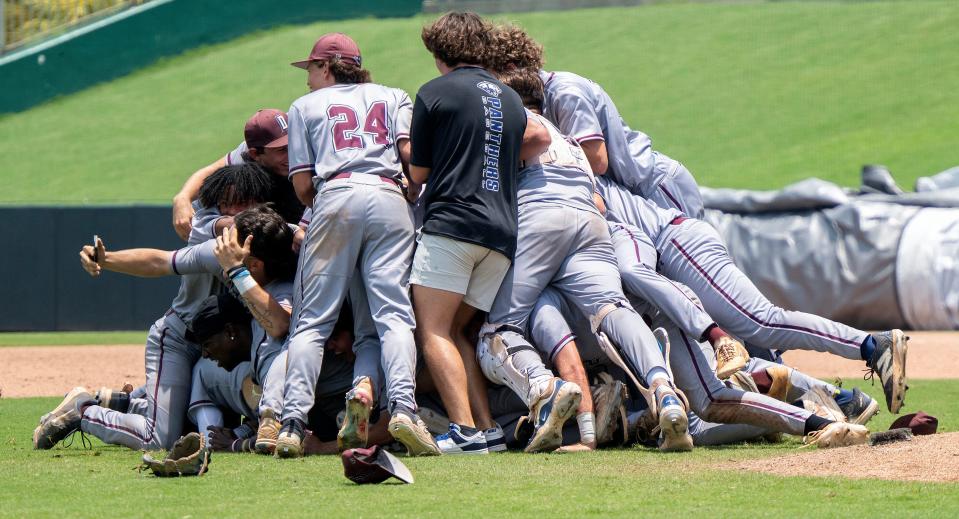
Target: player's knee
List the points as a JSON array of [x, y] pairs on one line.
[[494, 352]]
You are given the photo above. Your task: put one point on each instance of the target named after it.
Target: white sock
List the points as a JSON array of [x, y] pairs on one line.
[[587, 429]]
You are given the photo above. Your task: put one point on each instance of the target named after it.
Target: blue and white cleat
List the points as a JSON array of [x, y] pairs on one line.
[[673, 422], [550, 412], [495, 440], [455, 442]]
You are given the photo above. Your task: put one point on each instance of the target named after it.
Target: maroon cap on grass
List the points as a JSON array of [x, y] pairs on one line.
[[266, 129], [332, 45], [920, 423], [373, 465]]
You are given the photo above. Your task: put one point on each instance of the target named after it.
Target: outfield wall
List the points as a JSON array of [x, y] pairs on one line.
[[45, 289], [117, 45]]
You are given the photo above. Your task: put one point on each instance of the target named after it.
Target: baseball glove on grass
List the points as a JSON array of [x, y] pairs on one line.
[[190, 456]]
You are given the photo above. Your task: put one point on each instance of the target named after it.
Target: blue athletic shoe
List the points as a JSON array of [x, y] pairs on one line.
[[550, 412], [495, 441], [455, 442]]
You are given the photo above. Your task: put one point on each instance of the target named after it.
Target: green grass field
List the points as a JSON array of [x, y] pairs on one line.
[[71, 338], [101, 482], [746, 94]]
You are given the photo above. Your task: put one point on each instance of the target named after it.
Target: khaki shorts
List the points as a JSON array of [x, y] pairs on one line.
[[455, 266]]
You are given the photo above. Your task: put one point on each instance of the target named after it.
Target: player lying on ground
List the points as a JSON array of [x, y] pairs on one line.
[[691, 252], [361, 223], [265, 143], [468, 134], [169, 355]]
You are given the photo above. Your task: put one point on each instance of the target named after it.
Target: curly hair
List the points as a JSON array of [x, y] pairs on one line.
[[347, 71], [527, 83], [513, 48], [237, 184], [459, 38], [272, 240]]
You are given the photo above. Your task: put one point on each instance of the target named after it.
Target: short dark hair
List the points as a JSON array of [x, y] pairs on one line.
[[527, 83], [458, 38], [511, 48], [237, 184], [272, 240]]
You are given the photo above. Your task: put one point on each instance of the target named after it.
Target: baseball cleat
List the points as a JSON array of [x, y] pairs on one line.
[[838, 434], [495, 439], [742, 381], [550, 412], [267, 433], [412, 433], [673, 422], [63, 420], [355, 429], [607, 402], [820, 403], [731, 357], [455, 442], [889, 362], [860, 409], [289, 443], [780, 382]]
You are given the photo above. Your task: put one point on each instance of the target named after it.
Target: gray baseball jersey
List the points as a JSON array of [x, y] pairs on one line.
[[349, 128], [361, 223], [560, 175], [584, 111]]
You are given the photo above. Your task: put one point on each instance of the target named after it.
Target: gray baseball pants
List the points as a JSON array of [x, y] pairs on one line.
[[677, 189], [360, 223], [169, 360], [570, 250], [693, 254]]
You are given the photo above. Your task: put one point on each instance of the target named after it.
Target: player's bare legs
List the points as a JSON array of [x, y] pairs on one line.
[[567, 362], [435, 311], [464, 336]]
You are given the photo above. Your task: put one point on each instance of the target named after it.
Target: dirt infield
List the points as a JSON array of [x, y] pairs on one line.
[[53, 370], [925, 458]]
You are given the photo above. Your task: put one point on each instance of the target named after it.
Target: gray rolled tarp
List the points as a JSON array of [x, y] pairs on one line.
[[872, 261]]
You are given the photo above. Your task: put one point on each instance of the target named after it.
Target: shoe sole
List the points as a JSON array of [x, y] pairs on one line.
[[550, 434], [498, 448], [67, 399], [355, 430], [730, 367], [285, 450], [605, 419], [265, 446], [871, 410], [675, 427], [415, 445], [899, 348]]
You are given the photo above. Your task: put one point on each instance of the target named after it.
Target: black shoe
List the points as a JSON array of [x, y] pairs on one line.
[[889, 362], [860, 409]]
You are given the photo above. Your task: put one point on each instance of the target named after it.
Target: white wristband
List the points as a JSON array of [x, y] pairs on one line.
[[244, 282], [587, 431]]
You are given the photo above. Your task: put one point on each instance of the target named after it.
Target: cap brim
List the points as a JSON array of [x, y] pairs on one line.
[[393, 465], [279, 143], [301, 64]]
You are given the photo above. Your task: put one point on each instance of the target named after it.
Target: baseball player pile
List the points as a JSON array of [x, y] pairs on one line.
[[503, 263]]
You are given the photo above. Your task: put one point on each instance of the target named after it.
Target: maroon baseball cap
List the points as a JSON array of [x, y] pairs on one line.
[[266, 129], [332, 45]]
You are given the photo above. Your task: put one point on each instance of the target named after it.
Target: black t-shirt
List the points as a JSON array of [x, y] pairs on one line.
[[468, 128]]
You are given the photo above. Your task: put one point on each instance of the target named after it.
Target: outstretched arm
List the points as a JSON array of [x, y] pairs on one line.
[[135, 262]]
